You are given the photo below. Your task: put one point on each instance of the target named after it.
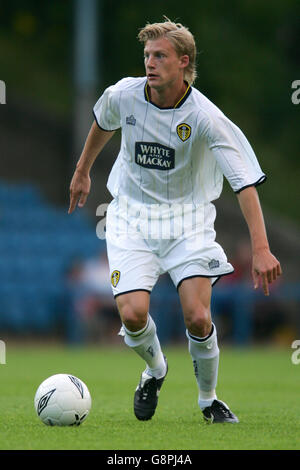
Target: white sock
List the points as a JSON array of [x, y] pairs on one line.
[[205, 356], [146, 343]]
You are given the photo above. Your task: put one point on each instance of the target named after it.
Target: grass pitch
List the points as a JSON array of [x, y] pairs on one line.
[[260, 385]]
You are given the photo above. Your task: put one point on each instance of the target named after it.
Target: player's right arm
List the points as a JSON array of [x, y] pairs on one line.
[[81, 183]]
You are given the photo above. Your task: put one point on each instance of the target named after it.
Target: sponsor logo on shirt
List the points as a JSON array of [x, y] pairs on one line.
[[154, 156]]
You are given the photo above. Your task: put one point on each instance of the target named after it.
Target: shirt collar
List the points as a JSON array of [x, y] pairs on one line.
[[179, 102]]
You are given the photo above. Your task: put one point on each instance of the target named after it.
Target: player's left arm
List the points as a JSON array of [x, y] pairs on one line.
[[265, 267]]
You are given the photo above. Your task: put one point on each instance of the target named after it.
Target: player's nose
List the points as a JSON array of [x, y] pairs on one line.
[[150, 62]]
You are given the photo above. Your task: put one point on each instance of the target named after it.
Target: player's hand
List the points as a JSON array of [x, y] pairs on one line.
[[265, 269], [79, 190]]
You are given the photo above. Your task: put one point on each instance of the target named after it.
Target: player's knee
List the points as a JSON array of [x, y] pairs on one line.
[[198, 321], [134, 318]]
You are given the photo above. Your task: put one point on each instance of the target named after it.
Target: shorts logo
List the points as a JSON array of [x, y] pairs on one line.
[[115, 277], [154, 156], [183, 131], [213, 264]]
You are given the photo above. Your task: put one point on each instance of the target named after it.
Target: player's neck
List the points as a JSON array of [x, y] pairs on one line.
[[167, 97]]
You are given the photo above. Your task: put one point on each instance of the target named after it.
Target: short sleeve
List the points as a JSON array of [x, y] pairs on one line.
[[107, 110], [233, 153]]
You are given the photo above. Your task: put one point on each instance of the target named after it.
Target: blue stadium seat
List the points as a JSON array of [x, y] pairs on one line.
[[12, 312], [38, 242], [23, 195]]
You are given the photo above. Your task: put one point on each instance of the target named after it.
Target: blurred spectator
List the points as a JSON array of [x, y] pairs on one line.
[[242, 264], [246, 314], [89, 306], [104, 323], [73, 300], [95, 275]]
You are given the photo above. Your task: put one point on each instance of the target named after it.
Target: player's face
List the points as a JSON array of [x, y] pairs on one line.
[[163, 66]]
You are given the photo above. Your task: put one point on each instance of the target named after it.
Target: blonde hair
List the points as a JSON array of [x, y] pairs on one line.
[[181, 39]]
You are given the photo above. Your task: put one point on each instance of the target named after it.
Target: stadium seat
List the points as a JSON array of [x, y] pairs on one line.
[[37, 244]]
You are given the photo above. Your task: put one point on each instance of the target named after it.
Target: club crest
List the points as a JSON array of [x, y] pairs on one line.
[[115, 277], [183, 131]]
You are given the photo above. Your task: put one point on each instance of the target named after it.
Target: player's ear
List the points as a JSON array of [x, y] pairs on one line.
[[184, 61]]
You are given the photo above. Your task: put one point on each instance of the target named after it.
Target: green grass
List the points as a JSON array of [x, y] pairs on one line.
[[260, 385]]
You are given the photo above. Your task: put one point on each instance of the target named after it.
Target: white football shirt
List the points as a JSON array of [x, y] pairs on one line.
[[173, 155]]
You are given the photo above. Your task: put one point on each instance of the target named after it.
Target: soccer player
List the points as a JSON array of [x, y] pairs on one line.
[[176, 147]]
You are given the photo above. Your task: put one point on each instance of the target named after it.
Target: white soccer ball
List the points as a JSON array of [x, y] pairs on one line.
[[62, 400]]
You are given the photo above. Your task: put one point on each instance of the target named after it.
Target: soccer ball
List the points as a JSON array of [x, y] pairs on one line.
[[62, 400]]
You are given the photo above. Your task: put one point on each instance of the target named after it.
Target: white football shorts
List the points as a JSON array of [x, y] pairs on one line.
[[144, 242]]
